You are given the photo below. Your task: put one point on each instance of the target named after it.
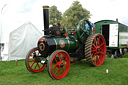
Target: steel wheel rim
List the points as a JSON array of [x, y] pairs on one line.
[[98, 50], [34, 65], [60, 67]]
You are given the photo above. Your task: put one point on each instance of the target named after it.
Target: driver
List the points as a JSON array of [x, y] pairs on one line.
[[87, 26]]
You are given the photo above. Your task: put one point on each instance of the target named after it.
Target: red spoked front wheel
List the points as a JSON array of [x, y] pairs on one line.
[[95, 50], [58, 64], [32, 64]]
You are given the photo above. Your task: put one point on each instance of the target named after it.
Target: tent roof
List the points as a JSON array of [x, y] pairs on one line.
[[22, 40]]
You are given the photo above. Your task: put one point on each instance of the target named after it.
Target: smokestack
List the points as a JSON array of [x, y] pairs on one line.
[[46, 19], [116, 19]]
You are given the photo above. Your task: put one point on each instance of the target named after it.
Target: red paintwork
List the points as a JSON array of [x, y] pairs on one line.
[[98, 50], [65, 34], [57, 71], [34, 65]]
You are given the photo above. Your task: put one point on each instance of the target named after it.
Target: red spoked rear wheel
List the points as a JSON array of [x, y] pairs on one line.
[[95, 50], [58, 64], [31, 63]]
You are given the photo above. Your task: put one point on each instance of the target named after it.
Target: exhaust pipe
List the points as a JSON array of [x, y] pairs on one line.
[[46, 19]]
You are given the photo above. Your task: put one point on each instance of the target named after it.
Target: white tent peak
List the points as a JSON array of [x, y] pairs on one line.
[[28, 23]]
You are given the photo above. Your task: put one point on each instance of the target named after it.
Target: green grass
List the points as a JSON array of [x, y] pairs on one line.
[[126, 55], [80, 73]]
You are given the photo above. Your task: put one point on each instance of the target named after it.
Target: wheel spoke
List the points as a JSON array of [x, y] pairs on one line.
[[98, 49], [57, 71], [60, 68], [94, 55], [94, 45], [63, 69], [58, 56], [62, 57], [82, 34], [101, 44], [38, 65], [101, 53], [81, 29], [93, 50], [32, 64], [54, 68], [66, 65], [35, 66], [31, 61], [64, 61], [53, 63], [55, 59]]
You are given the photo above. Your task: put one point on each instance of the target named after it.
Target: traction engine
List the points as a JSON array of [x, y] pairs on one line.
[[58, 47]]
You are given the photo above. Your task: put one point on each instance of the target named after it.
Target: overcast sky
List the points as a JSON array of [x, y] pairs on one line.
[[17, 12]]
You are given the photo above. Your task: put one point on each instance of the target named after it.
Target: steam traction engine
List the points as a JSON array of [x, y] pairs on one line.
[[57, 48]]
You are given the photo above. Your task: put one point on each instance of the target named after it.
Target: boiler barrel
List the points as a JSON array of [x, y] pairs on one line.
[[47, 45]]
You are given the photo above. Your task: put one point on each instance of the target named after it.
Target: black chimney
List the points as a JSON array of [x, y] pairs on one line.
[[116, 19], [46, 19]]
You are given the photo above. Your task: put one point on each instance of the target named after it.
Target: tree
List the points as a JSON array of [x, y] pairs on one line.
[[55, 15], [74, 14]]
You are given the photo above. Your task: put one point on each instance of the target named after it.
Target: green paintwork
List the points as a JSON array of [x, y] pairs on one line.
[[121, 28], [82, 31], [113, 47], [38, 59], [118, 47], [66, 43], [72, 42], [99, 24], [123, 46], [54, 61]]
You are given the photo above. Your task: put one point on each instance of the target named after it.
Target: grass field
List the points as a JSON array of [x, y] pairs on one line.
[[80, 73]]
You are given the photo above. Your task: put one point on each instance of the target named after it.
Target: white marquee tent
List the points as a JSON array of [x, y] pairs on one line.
[[20, 42]]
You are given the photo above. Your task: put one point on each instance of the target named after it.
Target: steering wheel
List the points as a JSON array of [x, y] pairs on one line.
[[84, 29]]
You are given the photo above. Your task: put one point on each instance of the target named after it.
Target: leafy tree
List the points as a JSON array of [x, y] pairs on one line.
[[55, 15], [74, 14]]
